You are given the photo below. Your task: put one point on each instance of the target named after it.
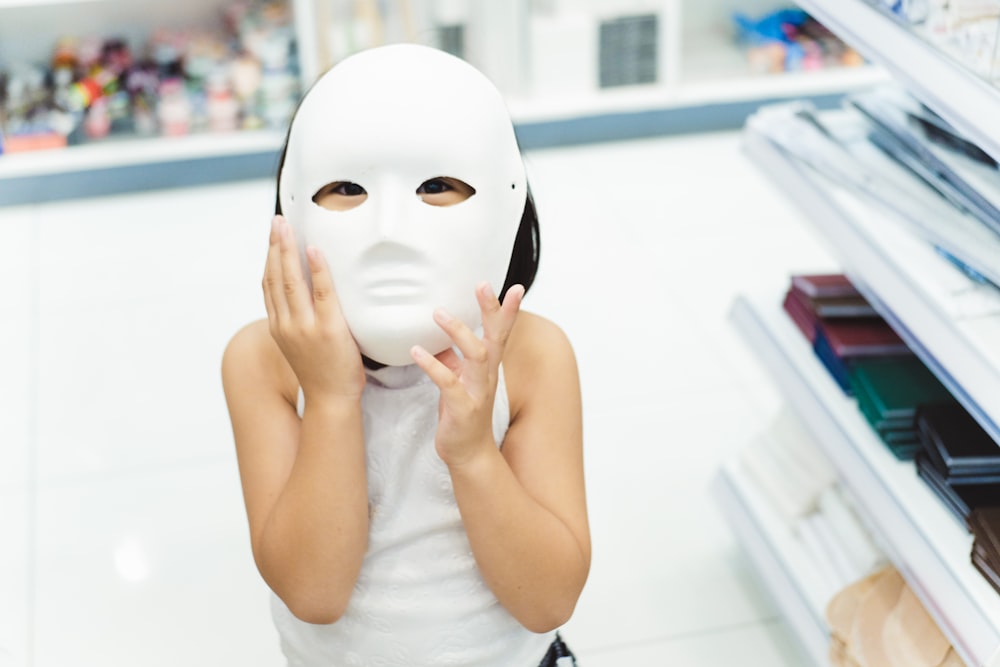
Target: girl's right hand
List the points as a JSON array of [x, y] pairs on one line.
[[310, 329]]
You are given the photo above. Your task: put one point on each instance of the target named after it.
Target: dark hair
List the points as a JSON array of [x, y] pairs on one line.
[[527, 243]]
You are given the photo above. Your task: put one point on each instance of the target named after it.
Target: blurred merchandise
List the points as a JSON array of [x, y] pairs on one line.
[[790, 40], [241, 75], [965, 30]]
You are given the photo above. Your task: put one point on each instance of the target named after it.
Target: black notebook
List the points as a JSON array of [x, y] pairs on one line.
[[956, 444]]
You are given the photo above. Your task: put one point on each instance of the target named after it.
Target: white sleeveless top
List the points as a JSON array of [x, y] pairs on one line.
[[419, 601]]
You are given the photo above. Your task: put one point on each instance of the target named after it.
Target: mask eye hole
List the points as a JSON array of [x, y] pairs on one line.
[[340, 196], [444, 191]]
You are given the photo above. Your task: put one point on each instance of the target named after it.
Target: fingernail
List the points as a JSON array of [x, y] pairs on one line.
[[417, 352], [442, 315]]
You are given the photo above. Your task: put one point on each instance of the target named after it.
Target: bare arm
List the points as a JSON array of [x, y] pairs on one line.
[[303, 480], [524, 510]]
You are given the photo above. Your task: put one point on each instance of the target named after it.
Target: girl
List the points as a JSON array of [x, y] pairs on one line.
[[409, 443]]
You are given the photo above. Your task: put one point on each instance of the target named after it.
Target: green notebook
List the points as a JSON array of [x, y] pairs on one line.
[[870, 411], [893, 387]]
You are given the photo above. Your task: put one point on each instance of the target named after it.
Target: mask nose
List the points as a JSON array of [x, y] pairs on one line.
[[390, 216]]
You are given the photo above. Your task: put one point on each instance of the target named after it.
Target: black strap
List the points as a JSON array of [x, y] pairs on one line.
[[557, 649]]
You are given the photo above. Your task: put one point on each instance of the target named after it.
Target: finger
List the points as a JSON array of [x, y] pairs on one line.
[[475, 371], [451, 360], [498, 321], [274, 295], [296, 293], [445, 379], [324, 295]]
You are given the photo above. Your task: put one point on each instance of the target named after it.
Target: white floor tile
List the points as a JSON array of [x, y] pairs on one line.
[[149, 569], [135, 315], [18, 265], [765, 644], [663, 556]]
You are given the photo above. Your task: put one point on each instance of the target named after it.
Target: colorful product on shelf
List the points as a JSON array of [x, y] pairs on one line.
[[865, 357], [839, 323], [244, 75], [789, 40]]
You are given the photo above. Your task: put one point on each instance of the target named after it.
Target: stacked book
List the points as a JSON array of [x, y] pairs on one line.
[[958, 460], [839, 323], [889, 391], [985, 524], [866, 358]]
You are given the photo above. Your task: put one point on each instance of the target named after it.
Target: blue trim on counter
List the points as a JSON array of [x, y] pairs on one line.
[[136, 178], [657, 122], [531, 136]]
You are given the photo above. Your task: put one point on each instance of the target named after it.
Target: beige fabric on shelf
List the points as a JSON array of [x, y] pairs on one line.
[[865, 642], [878, 621], [839, 657], [842, 609], [952, 660], [911, 637]]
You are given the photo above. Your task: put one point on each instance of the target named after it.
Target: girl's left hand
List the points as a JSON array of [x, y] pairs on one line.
[[468, 384]]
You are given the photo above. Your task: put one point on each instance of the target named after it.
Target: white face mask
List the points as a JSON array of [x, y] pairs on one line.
[[390, 119]]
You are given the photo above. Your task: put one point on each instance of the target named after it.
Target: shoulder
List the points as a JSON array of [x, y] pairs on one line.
[[534, 338], [253, 359], [538, 358]]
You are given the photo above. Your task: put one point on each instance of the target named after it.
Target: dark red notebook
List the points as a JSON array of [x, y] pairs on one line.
[[825, 286], [804, 318], [862, 337]]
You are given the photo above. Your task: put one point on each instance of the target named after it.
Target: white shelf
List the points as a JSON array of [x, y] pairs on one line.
[[778, 557], [963, 98], [128, 152], [693, 92], [951, 322], [914, 529]]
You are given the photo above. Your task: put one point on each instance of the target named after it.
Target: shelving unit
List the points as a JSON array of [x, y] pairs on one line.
[[778, 557], [911, 525], [950, 321]]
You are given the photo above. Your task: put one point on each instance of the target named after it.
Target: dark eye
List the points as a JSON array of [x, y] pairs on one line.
[[435, 186], [444, 191], [340, 196], [348, 189]]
